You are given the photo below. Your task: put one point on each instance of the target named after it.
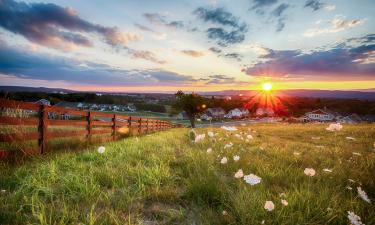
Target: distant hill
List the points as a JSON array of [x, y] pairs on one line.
[[368, 94], [35, 89], [365, 94]]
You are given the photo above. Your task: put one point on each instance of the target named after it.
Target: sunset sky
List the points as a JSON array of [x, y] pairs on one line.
[[149, 45]]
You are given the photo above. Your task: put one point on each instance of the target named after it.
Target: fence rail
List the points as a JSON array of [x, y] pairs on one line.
[[94, 123]]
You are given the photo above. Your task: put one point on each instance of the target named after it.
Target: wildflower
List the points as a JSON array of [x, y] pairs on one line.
[[236, 158], [237, 136], [263, 221], [349, 188], [229, 128], [282, 195], [101, 149], [350, 138], [225, 213], [363, 195], [309, 172], [334, 127], [252, 179], [250, 137], [269, 206], [315, 138], [357, 153], [3, 190], [354, 219], [238, 174], [284, 202], [296, 153], [229, 145], [319, 146], [199, 138], [351, 180], [327, 170], [224, 160], [210, 134], [209, 150]]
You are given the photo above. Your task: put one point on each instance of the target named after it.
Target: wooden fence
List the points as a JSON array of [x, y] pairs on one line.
[[93, 123]]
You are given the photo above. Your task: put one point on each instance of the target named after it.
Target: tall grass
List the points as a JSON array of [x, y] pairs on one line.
[[164, 178]]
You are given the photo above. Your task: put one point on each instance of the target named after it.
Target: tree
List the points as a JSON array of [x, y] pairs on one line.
[[192, 104]]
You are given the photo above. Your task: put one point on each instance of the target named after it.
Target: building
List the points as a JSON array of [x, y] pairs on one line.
[[215, 113], [237, 113], [43, 102], [321, 115], [182, 116], [350, 119], [265, 112]]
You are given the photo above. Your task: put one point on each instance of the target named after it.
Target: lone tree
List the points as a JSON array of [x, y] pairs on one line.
[[192, 104]]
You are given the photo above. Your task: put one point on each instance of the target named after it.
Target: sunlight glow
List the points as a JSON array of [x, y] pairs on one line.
[[267, 87]]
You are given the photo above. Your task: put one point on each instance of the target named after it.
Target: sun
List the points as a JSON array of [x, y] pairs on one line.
[[267, 86]]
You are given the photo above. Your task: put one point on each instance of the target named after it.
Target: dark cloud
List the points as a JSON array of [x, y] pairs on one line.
[[230, 30], [144, 28], [160, 20], [225, 38], [218, 79], [279, 13], [27, 65], [193, 53], [341, 60], [235, 56], [259, 5], [146, 55], [54, 26], [215, 50], [314, 4]]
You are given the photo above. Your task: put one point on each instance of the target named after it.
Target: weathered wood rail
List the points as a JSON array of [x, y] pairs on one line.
[[94, 123]]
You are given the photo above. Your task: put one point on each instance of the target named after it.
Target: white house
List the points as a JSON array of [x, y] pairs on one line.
[[320, 115], [237, 113], [215, 113], [265, 112]]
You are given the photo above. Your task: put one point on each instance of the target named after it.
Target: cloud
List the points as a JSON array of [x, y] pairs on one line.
[[193, 53], [146, 55], [259, 5], [36, 66], [215, 50], [337, 24], [157, 19], [233, 55], [222, 79], [144, 28], [279, 14], [225, 28], [54, 26], [314, 4], [341, 60]]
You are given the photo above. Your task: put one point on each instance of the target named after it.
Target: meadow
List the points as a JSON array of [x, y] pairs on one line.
[[291, 174]]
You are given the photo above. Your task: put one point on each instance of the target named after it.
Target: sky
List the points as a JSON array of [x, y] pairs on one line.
[[190, 45]]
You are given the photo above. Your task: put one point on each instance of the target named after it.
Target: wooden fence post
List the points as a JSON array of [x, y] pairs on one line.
[[130, 124], [147, 126], [140, 126], [114, 127], [89, 125], [42, 128]]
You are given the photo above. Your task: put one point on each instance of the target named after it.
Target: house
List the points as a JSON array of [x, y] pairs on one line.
[[350, 119], [237, 113], [215, 113], [206, 117], [131, 107], [43, 102], [265, 112], [321, 115]]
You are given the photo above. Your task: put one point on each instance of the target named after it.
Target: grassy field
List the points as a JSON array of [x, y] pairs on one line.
[[165, 178]]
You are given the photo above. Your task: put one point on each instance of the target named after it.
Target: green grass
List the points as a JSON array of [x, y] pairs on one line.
[[164, 178]]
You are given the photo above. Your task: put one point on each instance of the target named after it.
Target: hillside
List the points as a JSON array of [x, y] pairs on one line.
[[165, 178]]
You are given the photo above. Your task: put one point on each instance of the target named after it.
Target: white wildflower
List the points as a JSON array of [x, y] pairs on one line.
[[210, 134], [101, 149], [3, 190], [334, 127], [357, 153], [209, 150], [309, 172], [229, 128], [315, 138], [252, 179], [319, 146], [327, 170], [263, 221], [269, 206], [351, 180], [224, 160], [296, 153], [282, 194], [238, 174], [349, 188], [199, 138], [225, 213], [238, 136], [249, 137], [350, 138], [236, 158], [284, 202], [363, 195], [354, 219], [229, 145]]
